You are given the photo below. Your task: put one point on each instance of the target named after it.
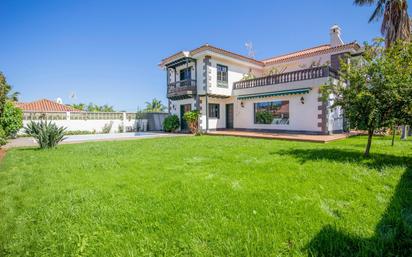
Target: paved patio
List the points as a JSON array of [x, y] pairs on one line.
[[75, 139], [282, 136]]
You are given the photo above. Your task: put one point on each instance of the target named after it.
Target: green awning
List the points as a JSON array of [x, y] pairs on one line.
[[298, 91]]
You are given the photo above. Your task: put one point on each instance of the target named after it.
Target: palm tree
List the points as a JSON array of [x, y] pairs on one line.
[[80, 106], [6, 93], [155, 106], [396, 24], [6, 89]]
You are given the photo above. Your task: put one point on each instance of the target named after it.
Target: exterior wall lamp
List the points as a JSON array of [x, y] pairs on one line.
[[302, 100]]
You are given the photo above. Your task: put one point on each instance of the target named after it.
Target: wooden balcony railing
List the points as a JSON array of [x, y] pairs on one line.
[[306, 74], [182, 89]]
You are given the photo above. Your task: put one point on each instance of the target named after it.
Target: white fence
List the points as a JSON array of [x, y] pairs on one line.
[[91, 121]]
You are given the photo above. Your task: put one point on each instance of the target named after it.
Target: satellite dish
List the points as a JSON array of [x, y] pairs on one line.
[[59, 100]]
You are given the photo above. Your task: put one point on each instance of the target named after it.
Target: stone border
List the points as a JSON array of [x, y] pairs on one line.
[[322, 108]]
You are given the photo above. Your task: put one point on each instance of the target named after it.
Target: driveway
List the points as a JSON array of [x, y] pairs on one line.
[[74, 139]]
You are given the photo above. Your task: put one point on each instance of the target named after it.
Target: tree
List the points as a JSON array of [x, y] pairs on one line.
[[96, 108], [106, 108], [155, 106], [12, 119], [91, 107], [80, 106], [6, 93], [375, 90], [396, 24]]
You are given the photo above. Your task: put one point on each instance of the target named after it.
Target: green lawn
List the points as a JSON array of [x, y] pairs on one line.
[[207, 196]]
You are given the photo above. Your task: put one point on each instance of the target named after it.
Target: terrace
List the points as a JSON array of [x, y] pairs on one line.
[[299, 75], [180, 82]]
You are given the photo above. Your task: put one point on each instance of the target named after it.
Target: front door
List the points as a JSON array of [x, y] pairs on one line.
[[229, 116], [183, 109]]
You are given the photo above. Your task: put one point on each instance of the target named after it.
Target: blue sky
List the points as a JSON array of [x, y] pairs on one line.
[[107, 52]]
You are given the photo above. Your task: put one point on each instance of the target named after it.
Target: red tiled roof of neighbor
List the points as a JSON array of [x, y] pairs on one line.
[[317, 50], [321, 49], [45, 105]]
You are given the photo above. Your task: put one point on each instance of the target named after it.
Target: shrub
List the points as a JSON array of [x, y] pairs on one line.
[[79, 132], [47, 134], [264, 117], [192, 119], [3, 139], [12, 119], [120, 128], [171, 123], [107, 127]]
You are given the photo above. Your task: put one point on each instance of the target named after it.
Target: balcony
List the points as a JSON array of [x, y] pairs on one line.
[[181, 89], [299, 75]]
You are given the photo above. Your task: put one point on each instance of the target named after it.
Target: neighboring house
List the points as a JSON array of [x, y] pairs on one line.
[[44, 107], [76, 120], [276, 94]]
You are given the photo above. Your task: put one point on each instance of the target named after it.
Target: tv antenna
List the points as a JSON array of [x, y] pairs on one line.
[[250, 49], [72, 95]]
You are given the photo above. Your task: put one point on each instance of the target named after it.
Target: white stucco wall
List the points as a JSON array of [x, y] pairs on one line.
[[96, 125], [302, 117], [215, 123], [235, 73]]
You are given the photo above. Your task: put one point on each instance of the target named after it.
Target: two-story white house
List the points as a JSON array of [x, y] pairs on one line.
[[280, 94]]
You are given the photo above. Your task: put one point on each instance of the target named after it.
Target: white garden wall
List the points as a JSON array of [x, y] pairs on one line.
[[96, 125]]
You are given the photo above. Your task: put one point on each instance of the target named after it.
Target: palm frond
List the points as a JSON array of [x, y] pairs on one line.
[[378, 12], [364, 2], [14, 96]]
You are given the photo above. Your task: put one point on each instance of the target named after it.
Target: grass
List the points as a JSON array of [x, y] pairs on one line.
[[208, 196]]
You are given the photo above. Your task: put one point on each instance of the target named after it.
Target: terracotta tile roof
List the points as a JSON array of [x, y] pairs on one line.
[[45, 105], [207, 47], [318, 50], [225, 52]]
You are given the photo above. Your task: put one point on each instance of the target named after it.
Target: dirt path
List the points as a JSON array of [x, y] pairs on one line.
[[2, 153]]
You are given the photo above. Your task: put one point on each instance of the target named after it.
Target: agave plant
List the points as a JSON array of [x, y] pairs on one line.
[[47, 134]]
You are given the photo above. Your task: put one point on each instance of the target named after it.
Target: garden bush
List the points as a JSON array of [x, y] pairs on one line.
[[3, 139], [79, 132], [120, 128], [192, 119], [47, 134], [107, 128], [11, 120], [171, 123]]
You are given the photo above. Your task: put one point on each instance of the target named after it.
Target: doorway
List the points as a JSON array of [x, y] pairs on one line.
[[229, 116], [183, 109]]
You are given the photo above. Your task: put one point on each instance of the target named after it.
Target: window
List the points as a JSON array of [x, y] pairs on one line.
[[185, 77], [214, 111], [275, 112], [185, 74], [222, 75]]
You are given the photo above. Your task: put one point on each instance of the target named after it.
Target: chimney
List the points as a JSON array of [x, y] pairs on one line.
[[335, 39]]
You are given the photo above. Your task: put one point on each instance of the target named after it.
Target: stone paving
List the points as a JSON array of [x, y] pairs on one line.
[[284, 136]]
